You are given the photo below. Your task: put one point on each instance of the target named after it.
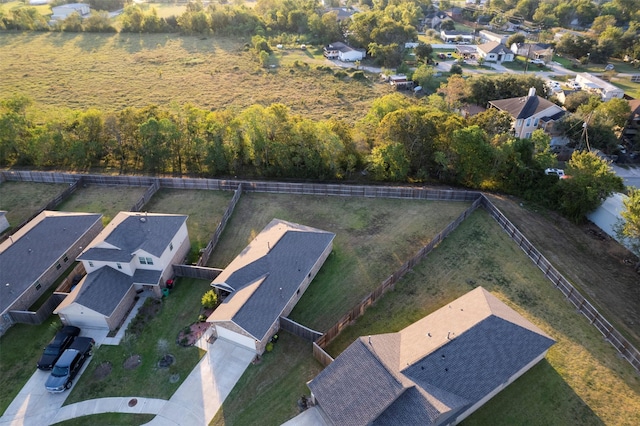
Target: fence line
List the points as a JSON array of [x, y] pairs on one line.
[[299, 329], [198, 272], [610, 333], [65, 285], [318, 353], [390, 282], [39, 316], [153, 188], [206, 253]]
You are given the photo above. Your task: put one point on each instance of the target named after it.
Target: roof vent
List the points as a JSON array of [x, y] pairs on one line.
[[532, 92], [143, 220]]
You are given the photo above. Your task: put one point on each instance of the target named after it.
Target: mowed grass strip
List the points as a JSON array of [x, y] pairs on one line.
[[373, 238], [20, 349], [178, 310], [583, 380], [109, 419], [204, 208], [106, 200], [115, 71], [23, 199]]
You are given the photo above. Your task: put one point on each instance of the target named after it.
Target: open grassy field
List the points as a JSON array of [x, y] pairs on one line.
[[373, 238], [20, 349], [109, 419], [22, 199], [204, 208], [115, 71], [107, 200], [177, 311]]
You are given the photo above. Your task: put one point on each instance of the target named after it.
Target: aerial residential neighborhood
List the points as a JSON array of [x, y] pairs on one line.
[[319, 213]]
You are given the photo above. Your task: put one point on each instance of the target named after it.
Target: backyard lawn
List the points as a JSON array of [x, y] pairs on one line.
[[106, 200], [23, 199]]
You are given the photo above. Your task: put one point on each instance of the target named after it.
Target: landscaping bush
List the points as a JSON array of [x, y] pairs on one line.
[[209, 300]]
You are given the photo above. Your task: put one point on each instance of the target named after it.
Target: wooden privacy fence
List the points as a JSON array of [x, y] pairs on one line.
[[390, 282], [206, 253], [299, 329], [320, 355], [153, 188], [39, 316], [613, 336], [65, 285], [198, 272]]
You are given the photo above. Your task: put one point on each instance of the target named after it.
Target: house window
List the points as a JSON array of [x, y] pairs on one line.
[[66, 259], [119, 266], [91, 264], [58, 266], [519, 122], [142, 260], [170, 246], [528, 121], [535, 123], [528, 135], [38, 285], [149, 261]]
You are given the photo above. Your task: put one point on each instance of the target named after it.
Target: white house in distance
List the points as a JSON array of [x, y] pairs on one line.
[[342, 52], [495, 52], [597, 85], [436, 371], [60, 13], [266, 280], [449, 36], [529, 113], [488, 36], [135, 252]]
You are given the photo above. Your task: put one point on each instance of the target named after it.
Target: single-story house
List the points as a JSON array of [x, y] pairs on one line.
[[342, 52], [62, 12], [607, 216], [543, 52], [266, 280], [400, 81], [529, 113], [597, 85], [4, 223], [449, 36], [467, 51], [437, 371], [134, 253], [342, 13], [36, 255], [495, 52], [488, 36]]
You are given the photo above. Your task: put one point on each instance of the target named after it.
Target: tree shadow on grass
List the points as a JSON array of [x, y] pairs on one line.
[[540, 397]]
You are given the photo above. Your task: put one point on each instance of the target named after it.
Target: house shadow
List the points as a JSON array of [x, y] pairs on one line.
[[539, 397]]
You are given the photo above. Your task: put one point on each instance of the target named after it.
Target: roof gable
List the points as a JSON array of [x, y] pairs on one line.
[[101, 291], [526, 106]]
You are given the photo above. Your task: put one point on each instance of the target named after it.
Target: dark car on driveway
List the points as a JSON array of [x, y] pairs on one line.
[[58, 344], [69, 364]]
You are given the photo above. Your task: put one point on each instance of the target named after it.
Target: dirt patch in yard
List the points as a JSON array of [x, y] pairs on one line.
[[190, 335], [132, 362], [103, 370], [595, 263]]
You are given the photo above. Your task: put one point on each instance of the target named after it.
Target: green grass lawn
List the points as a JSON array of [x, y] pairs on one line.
[[373, 238], [178, 310], [23, 199], [583, 381], [204, 208], [109, 419], [106, 200], [20, 349], [115, 71]]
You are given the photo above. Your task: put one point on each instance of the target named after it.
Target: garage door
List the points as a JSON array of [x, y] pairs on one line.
[[247, 342]]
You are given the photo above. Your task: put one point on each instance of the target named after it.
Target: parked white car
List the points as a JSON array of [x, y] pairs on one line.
[[574, 85], [555, 172]]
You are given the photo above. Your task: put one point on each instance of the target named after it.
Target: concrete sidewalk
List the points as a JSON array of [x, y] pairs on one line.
[[195, 402]]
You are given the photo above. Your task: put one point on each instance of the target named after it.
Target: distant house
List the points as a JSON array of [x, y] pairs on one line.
[[608, 215], [467, 51], [529, 113], [342, 13], [543, 52], [630, 131], [135, 252], [4, 223], [400, 81], [343, 52], [266, 280], [36, 255], [437, 371], [495, 52], [60, 13], [488, 36], [604, 89], [449, 36]]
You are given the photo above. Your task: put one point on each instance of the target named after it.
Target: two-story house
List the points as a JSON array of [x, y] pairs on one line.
[[134, 253], [529, 113]]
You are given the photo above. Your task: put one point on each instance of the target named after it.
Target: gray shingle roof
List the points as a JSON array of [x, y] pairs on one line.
[[146, 276], [523, 107], [275, 263], [103, 290], [453, 358], [129, 232], [29, 256]]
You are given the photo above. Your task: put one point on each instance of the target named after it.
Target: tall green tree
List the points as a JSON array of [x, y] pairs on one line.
[[629, 229]]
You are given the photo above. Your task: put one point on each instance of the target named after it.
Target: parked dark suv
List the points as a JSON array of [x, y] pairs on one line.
[[58, 344], [68, 365]]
